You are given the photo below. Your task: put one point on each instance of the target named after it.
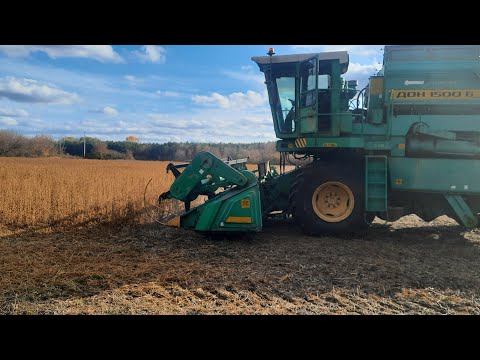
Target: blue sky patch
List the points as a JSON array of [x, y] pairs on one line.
[[198, 93]]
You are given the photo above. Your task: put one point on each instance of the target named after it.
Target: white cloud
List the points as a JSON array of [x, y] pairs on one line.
[[92, 86], [152, 53], [17, 50], [102, 53], [32, 91], [110, 111], [196, 125], [167, 93], [200, 124], [107, 110], [363, 69], [210, 125], [13, 112], [361, 50], [236, 100], [32, 123], [362, 72], [130, 78], [133, 79], [9, 121]]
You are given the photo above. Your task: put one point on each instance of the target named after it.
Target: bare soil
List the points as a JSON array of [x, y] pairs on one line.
[[406, 267]]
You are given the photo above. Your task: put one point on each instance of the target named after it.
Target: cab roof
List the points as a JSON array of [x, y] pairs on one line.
[[342, 56]]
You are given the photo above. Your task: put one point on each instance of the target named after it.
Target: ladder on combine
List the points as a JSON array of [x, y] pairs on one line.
[[376, 183]]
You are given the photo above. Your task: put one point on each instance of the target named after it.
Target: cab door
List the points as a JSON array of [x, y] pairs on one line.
[[308, 95]]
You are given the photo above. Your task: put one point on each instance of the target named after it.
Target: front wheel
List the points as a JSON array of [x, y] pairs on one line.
[[333, 201], [330, 200]]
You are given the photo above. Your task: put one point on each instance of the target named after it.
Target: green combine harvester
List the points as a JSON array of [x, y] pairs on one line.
[[407, 143]]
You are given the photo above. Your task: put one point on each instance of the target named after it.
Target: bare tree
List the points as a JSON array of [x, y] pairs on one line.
[[12, 143], [42, 145], [100, 149]]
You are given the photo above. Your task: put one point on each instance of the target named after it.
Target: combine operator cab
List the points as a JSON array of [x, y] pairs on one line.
[[307, 94]]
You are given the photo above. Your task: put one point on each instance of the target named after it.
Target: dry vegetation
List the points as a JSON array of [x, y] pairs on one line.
[[410, 267], [87, 266], [56, 191]]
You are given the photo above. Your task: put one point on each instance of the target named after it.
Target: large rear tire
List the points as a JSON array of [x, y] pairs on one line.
[[329, 199]]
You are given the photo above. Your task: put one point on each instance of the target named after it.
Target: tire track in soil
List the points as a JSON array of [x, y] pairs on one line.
[[408, 267]]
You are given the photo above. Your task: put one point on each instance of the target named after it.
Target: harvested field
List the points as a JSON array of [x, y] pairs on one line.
[[409, 267]]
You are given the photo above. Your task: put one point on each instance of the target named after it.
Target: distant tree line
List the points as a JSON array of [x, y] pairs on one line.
[[14, 144]]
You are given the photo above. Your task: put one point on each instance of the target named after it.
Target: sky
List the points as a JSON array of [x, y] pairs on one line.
[[159, 93]]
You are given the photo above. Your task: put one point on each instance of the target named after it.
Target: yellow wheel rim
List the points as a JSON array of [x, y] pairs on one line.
[[333, 201]]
